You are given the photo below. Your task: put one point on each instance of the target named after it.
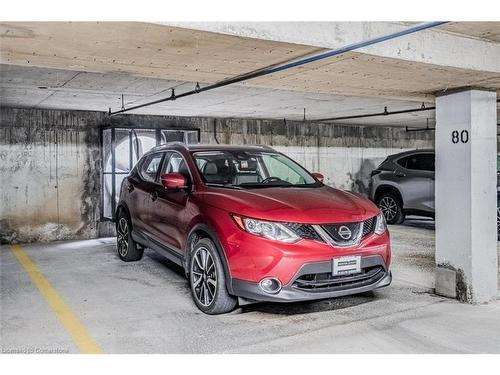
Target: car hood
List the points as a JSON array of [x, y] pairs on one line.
[[293, 204]]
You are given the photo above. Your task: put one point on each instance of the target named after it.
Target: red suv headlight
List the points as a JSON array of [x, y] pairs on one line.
[[380, 225], [267, 229]]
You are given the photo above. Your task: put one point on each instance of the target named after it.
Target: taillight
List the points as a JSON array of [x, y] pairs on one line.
[[375, 172]]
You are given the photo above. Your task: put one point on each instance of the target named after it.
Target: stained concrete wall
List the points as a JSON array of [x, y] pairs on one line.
[[49, 174], [50, 161]]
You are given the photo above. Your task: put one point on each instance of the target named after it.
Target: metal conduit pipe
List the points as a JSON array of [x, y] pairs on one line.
[[384, 113], [285, 66]]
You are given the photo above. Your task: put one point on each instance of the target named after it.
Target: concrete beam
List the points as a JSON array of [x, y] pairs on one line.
[[432, 46]]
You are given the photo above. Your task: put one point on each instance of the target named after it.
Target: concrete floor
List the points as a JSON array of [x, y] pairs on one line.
[[146, 307]]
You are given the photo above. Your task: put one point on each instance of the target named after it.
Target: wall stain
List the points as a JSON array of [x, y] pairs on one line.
[[361, 178]]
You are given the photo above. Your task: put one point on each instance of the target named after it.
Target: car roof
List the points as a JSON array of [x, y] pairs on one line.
[[210, 147], [411, 152]]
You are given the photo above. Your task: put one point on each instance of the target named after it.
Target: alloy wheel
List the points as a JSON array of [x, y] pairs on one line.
[[203, 276], [122, 236], [389, 208], [498, 220]]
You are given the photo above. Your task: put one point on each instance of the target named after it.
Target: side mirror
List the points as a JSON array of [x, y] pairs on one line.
[[173, 181], [318, 176]]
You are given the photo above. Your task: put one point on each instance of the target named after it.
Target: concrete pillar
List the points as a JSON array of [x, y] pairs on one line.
[[466, 195]]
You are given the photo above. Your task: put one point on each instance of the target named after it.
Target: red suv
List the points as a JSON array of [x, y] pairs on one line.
[[249, 224]]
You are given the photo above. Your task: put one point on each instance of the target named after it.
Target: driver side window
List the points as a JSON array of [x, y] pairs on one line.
[[175, 163]]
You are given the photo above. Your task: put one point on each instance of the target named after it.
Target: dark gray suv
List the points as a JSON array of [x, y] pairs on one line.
[[404, 185]]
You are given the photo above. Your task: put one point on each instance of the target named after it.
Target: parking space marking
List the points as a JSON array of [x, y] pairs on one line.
[[68, 319]]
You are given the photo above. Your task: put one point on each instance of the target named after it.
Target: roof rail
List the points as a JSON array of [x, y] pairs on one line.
[[161, 145]]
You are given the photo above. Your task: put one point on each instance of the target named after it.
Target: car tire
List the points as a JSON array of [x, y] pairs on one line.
[[208, 280], [390, 205], [128, 250], [498, 222]]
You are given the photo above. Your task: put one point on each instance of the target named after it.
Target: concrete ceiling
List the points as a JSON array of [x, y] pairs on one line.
[[483, 30], [56, 88], [88, 66]]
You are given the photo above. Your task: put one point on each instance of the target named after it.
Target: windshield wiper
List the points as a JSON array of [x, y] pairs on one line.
[[228, 186], [252, 185], [257, 185], [311, 185]]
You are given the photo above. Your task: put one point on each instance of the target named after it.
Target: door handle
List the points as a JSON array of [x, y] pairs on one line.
[[400, 174], [130, 188], [153, 195]]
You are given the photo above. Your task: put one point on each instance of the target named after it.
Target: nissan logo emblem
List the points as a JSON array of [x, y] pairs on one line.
[[345, 232]]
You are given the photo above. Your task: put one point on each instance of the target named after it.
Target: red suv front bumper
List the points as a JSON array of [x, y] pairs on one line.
[[303, 268], [376, 277]]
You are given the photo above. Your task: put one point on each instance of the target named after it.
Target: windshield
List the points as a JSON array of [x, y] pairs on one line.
[[251, 169]]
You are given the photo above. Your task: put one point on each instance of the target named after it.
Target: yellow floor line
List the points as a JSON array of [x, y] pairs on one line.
[[73, 326]]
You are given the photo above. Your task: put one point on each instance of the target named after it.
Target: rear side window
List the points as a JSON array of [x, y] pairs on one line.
[[418, 162], [385, 161], [149, 168], [385, 165]]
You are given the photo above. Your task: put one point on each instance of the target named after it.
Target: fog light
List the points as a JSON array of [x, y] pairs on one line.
[[270, 285]]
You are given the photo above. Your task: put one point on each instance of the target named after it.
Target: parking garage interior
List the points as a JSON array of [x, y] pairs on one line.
[[73, 127]]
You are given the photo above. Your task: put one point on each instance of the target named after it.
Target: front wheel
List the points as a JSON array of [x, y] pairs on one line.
[[208, 281], [391, 207]]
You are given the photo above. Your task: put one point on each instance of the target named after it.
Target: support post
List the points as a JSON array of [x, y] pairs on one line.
[[466, 195]]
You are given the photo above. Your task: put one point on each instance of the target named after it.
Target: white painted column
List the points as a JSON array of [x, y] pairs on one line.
[[466, 196]]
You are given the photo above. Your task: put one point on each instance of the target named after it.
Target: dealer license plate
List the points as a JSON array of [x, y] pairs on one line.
[[346, 265]]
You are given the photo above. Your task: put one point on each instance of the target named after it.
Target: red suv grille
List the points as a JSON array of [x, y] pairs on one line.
[[304, 231], [321, 282], [307, 231], [369, 226]]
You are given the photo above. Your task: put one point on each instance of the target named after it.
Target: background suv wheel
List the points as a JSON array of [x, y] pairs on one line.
[[498, 222], [207, 279], [391, 207], [128, 250]]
